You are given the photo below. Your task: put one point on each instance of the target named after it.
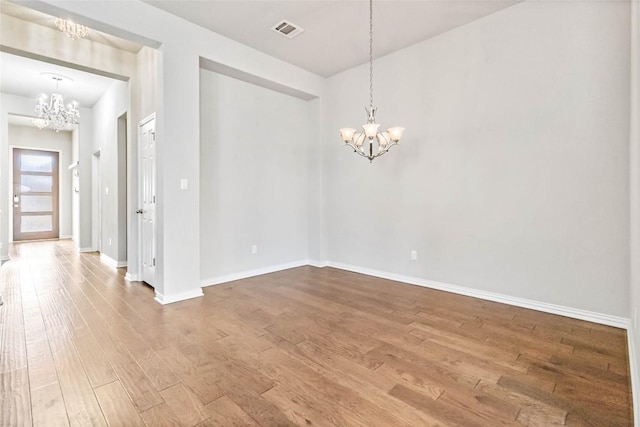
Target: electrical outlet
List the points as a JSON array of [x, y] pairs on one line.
[[254, 249], [414, 255]]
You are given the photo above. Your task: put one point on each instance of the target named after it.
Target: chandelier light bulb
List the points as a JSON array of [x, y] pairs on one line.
[[395, 133], [370, 129], [347, 134]]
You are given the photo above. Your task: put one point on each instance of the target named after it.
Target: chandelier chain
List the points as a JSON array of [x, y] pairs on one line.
[[371, 53]]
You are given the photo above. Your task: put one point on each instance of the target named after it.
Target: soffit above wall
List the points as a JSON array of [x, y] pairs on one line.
[[336, 33]]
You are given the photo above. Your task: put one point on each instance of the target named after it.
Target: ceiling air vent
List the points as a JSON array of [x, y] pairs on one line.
[[287, 29]]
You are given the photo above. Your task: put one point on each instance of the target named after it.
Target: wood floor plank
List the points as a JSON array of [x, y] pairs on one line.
[[94, 361], [369, 385], [116, 405], [186, 405], [79, 399], [199, 380], [359, 409], [224, 412], [47, 406], [15, 403], [160, 416], [532, 411], [13, 354], [259, 408]]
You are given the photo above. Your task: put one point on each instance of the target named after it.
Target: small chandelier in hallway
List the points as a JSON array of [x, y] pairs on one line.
[[73, 30], [52, 113], [385, 140]]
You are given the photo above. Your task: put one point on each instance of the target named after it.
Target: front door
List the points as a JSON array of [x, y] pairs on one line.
[[35, 194], [148, 211]]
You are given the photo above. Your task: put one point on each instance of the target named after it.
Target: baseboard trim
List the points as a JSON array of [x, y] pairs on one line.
[[4, 259], [252, 273], [84, 250], [131, 277], [65, 237], [590, 316], [169, 299], [634, 370], [106, 259], [319, 264]]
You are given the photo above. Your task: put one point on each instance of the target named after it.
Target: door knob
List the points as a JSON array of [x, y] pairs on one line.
[[139, 211]]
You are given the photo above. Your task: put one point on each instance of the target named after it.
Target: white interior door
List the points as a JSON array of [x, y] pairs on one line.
[[148, 199]]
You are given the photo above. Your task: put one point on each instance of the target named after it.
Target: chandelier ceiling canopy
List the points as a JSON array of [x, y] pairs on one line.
[[52, 113], [370, 132]]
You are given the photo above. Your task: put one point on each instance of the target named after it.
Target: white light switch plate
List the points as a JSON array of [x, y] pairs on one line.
[[184, 184]]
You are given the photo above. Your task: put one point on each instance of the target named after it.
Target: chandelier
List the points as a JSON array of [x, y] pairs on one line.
[[53, 114], [73, 30], [385, 140]]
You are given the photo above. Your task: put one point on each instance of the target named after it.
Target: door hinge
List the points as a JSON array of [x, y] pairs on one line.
[[154, 262], [153, 136], [154, 199]]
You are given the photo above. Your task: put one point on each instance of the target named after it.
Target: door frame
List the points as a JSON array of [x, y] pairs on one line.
[[10, 185], [139, 198], [96, 201]]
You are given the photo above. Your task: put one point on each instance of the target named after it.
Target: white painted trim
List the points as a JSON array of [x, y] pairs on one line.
[[634, 371], [82, 250], [252, 273], [4, 259], [319, 264], [106, 259], [66, 236], [590, 316], [168, 299], [131, 277]]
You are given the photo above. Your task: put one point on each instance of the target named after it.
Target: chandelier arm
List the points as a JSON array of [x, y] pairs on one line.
[[357, 150], [388, 147]]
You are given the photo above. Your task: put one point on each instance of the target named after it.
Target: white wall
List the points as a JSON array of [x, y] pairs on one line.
[[75, 184], [513, 174], [634, 301], [254, 178], [50, 140], [85, 145], [106, 111]]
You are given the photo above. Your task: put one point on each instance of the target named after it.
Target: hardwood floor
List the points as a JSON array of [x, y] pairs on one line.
[[312, 347]]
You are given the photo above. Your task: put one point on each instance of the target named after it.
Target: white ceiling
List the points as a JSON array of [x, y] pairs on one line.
[[336, 35], [23, 76]]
